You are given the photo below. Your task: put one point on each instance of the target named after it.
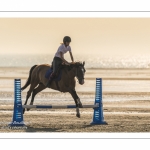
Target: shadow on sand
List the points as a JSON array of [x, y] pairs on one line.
[[32, 129]]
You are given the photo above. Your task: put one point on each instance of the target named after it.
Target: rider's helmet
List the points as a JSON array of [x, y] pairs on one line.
[[66, 39]]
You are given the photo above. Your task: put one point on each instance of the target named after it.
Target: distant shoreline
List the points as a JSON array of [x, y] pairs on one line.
[[27, 67]]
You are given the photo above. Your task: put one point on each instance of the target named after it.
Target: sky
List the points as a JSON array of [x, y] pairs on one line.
[[103, 36]]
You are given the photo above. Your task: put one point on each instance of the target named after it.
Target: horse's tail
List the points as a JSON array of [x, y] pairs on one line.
[[29, 78]]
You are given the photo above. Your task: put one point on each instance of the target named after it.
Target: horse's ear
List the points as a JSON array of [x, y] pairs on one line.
[[83, 63]]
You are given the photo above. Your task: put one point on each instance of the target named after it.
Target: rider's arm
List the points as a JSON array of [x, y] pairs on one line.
[[71, 56], [61, 55]]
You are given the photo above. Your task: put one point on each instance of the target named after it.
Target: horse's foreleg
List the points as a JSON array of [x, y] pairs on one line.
[[77, 102], [35, 91]]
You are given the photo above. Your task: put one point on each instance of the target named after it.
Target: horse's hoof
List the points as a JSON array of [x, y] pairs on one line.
[[80, 105], [28, 109], [78, 115]]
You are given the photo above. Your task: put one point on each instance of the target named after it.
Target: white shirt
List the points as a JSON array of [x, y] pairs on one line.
[[62, 48]]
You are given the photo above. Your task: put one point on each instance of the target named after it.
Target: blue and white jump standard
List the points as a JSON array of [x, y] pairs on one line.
[[18, 111], [98, 118]]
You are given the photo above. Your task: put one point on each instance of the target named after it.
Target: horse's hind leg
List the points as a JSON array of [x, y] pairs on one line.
[[77, 102], [35, 91], [32, 86]]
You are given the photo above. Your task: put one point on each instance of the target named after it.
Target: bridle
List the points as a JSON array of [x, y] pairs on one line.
[[76, 74]]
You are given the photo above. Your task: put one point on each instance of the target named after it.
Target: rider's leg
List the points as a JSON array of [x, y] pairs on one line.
[[56, 63]]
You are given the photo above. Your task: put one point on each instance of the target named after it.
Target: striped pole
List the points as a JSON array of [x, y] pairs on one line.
[[59, 107], [17, 114], [98, 117]]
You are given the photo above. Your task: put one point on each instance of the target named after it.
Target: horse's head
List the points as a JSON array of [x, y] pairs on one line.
[[80, 71]]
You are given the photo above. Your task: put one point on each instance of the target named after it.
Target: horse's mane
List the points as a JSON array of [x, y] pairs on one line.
[[75, 64], [78, 63]]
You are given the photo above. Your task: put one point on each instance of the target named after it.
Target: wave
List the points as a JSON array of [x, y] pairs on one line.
[[92, 61]]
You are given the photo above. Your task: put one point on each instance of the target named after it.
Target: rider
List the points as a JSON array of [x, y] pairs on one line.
[[59, 57]]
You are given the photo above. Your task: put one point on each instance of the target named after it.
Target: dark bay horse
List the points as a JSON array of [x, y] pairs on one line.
[[37, 82]]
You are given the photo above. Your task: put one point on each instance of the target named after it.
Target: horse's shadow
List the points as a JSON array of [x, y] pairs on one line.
[[33, 129]]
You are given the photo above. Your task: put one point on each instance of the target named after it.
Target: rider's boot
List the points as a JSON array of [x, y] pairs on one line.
[[50, 79]]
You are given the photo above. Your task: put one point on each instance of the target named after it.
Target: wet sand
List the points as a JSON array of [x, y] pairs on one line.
[[126, 116], [126, 103]]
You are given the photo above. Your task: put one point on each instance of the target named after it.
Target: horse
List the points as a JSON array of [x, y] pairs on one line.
[[38, 82]]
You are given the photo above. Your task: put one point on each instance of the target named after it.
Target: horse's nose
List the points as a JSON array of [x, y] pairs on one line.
[[82, 81]]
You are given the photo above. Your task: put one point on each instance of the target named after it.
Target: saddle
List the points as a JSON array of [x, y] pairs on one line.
[[58, 74]]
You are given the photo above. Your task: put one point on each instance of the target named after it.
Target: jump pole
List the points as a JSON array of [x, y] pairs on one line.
[[98, 118]]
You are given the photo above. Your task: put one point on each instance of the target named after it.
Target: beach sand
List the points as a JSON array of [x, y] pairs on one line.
[[126, 103], [126, 116]]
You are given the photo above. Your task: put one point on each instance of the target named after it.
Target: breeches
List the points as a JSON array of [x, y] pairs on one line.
[[56, 64]]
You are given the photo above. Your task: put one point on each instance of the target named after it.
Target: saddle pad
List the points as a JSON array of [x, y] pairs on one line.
[[48, 73]]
